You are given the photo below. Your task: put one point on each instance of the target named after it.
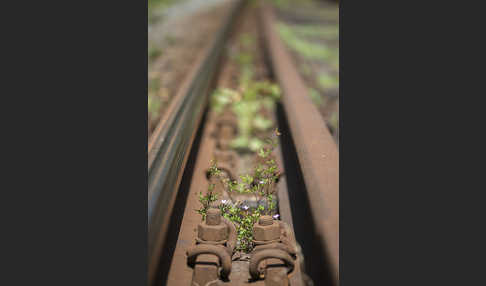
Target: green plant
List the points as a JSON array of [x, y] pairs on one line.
[[306, 49], [154, 85], [244, 218], [266, 172], [221, 98], [206, 201], [247, 40], [249, 101], [244, 59], [289, 3], [255, 97], [261, 183], [330, 32], [158, 7], [246, 75], [154, 104], [328, 81], [248, 104], [154, 53]]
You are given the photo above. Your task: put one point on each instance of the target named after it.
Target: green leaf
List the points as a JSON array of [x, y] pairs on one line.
[[262, 123], [255, 144]]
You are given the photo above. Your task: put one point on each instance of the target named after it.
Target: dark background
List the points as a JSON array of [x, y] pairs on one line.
[[74, 155]]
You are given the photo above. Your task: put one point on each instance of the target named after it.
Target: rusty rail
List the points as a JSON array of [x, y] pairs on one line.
[[170, 144], [316, 150], [169, 148], [179, 273]]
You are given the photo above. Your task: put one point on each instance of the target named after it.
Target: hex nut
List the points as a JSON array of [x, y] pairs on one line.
[[212, 232], [265, 220], [224, 156], [227, 117], [266, 232], [224, 144], [213, 217], [227, 131], [218, 186]]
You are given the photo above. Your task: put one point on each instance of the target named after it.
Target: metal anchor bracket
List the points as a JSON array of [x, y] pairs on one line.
[[273, 258], [202, 258], [257, 272], [211, 256]]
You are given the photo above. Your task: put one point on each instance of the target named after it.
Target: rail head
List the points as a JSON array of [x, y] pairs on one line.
[[316, 150], [172, 140]]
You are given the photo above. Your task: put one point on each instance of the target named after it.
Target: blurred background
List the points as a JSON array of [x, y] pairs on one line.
[[179, 29]]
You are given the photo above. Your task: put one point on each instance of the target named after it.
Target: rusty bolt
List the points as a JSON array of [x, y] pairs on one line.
[[266, 229], [227, 131], [218, 185], [224, 144], [213, 217], [224, 156], [213, 229], [276, 277], [212, 232], [265, 220]]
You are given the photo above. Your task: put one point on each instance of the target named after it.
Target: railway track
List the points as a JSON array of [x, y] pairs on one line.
[[282, 232]]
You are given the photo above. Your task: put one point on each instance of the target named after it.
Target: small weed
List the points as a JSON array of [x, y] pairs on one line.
[[154, 53], [249, 100], [160, 4], [243, 58], [222, 98], [308, 50], [261, 183], [206, 201], [154, 85], [247, 104], [156, 9], [327, 81], [247, 40], [154, 105], [330, 32], [288, 3], [255, 96]]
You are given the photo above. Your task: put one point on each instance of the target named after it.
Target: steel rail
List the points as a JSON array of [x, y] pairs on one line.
[[170, 144], [316, 150]]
